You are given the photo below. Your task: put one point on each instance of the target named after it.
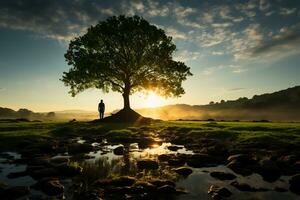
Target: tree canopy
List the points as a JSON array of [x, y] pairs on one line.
[[125, 55]]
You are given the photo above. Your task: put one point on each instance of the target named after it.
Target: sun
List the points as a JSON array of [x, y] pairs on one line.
[[153, 100]]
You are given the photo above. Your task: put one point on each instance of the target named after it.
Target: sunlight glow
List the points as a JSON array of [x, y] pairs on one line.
[[154, 145], [153, 100]]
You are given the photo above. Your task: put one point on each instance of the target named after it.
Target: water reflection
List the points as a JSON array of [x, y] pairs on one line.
[[197, 184], [103, 164]]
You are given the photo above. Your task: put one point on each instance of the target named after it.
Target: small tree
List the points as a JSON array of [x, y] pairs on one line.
[[50, 114], [125, 55]]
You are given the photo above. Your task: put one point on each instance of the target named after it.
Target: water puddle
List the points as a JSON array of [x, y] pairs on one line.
[[104, 163]]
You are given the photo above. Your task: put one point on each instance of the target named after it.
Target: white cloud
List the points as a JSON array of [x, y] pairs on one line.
[[225, 13], [264, 5], [208, 17], [175, 34], [221, 25], [250, 14], [283, 43], [186, 56], [218, 36], [107, 11], [155, 9], [184, 11], [218, 53], [247, 8], [269, 13], [251, 37], [232, 68], [237, 69], [287, 11], [188, 23], [208, 71], [139, 6], [182, 17], [238, 19]]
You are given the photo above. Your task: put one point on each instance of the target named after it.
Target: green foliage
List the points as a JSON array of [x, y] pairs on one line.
[[235, 134], [124, 54]]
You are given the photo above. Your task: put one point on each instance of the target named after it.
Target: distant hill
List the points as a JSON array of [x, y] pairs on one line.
[[7, 113], [283, 105], [73, 111]]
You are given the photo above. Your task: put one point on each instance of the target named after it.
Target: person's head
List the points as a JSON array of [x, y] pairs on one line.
[[101, 101]]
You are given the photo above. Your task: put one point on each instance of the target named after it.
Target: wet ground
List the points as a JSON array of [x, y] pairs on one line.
[[105, 162]]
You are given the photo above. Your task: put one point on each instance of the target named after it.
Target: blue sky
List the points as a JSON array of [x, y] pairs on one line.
[[234, 48]]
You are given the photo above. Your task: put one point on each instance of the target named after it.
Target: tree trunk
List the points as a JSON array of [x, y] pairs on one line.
[[126, 101]]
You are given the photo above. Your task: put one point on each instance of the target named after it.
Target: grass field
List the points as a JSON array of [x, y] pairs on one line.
[[269, 150], [267, 135]]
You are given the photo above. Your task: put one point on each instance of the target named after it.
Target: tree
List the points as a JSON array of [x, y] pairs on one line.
[[125, 55], [50, 114], [24, 113]]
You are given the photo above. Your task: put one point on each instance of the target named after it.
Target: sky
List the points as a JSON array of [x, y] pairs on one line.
[[234, 48]]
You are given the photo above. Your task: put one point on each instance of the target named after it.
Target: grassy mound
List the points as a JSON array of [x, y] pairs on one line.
[[126, 115]]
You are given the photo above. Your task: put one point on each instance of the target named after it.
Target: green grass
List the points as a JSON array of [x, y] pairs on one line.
[[236, 133]]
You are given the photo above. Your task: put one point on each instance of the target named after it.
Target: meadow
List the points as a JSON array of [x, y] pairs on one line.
[[183, 159], [235, 133]]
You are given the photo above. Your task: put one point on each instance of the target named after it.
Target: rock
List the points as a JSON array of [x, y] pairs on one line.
[[146, 142], [47, 146], [36, 160], [242, 158], [50, 186], [239, 168], [216, 149], [77, 148], [295, 184], [59, 160], [159, 183], [88, 157], [269, 170], [123, 181], [217, 192], [25, 144], [246, 188], [174, 148], [184, 171], [147, 164], [67, 170], [3, 186], [164, 157], [116, 182], [287, 159], [31, 168], [176, 162], [242, 186], [166, 189], [201, 160], [148, 186], [14, 192], [43, 172], [297, 164], [118, 191], [119, 150], [280, 189], [17, 174], [223, 175]]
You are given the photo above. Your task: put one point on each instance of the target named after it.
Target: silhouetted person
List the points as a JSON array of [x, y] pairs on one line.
[[101, 109]]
